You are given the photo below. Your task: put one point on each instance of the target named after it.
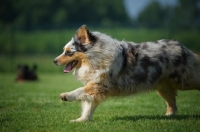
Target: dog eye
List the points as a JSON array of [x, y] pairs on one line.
[[68, 53]]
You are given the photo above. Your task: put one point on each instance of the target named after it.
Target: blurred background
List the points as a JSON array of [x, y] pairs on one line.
[[35, 31]]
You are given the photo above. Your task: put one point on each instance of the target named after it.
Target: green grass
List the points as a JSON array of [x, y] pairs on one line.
[[35, 106]]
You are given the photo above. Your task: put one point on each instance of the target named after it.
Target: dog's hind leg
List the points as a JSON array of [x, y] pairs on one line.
[[170, 97]]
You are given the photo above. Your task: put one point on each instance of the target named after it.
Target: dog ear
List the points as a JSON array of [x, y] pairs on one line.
[[84, 36]]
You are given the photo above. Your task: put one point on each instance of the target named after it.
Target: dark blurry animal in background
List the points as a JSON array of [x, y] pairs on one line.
[[26, 74]]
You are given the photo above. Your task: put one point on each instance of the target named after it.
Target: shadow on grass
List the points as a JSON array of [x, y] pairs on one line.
[[157, 117]]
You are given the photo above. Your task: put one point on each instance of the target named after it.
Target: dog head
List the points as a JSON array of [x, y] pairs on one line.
[[73, 55]]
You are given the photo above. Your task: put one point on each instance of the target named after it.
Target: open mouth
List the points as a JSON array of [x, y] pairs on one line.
[[70, 66]]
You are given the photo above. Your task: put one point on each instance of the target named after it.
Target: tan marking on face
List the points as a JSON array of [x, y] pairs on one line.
[[80, 57], [67, 49]]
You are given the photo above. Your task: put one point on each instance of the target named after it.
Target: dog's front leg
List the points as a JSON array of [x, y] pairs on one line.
[[94, 93], [88, 103], [87, 111], [90, 96], [73, 95]]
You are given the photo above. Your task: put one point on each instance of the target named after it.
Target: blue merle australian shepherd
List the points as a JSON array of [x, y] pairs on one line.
[[108, 67]]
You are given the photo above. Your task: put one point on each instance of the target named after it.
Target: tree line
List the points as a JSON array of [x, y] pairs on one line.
[[46, 14], [185, 15], [34, 14]]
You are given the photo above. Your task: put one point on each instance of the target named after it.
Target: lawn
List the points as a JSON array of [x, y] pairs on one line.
[[35, 106]]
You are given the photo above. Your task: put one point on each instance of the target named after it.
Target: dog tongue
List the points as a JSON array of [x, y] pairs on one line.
[[68, 68]]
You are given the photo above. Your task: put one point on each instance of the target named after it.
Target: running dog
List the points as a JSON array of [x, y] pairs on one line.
[[108, 67]]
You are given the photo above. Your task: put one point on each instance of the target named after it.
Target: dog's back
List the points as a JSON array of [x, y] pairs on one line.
[[165, 66], [171, 63], [154, 65]]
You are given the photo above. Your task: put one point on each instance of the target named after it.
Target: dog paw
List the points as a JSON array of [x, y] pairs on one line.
[[79, 120], [171, 113], [63, 97]]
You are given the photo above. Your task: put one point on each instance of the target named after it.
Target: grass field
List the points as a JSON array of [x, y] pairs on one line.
[[35, 106]]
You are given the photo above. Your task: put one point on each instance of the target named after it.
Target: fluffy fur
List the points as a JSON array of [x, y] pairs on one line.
[[108, 67]]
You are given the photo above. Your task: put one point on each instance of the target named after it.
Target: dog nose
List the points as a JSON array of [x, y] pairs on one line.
[[55, 61]]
